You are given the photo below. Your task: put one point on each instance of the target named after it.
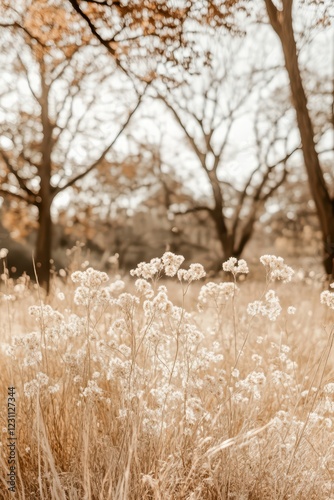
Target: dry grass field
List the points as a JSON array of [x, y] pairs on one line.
[[163, 385]]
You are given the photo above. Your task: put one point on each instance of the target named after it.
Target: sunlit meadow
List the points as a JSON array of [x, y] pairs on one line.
[[163, 384]]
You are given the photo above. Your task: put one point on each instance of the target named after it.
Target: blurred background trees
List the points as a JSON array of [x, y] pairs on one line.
[[141, 126], [55, 130]]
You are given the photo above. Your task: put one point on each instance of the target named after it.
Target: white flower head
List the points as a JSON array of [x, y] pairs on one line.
[[276, 268], [195, 272], [171, 263], [270, 307], [53, 389], [90, 278], [235, 266], [3, 253], [148, 270], [329, 388], [143, 287], [216, 293], [327, 298]]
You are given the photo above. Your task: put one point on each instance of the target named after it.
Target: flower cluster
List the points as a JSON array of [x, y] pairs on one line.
[[91, 391], [33, 387], [195, 272], [252, 385], [329, 388], [45, 313], [144, 288], [171, 263], [327, 298], [90, 290], [159, 303], [3, 253], [270, 307], [276, 268], [31, 344], [235, 266], [148, 270], [89, 278], [216, 293]]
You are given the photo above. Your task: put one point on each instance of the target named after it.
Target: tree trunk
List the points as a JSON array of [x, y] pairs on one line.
[[44, 244], [281, 22]]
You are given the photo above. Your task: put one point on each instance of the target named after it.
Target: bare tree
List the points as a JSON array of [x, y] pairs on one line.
[[63, 112], [207, 109], [281, 20]]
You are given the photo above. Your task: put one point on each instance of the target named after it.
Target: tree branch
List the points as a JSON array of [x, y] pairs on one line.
[[92, 28], [273, 16], [18, 196], [25, 30], [257, 195], [200, 155], [83, 174], [19, 179], [191, 210]]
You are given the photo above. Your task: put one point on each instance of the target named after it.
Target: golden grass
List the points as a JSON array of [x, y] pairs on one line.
[[146, 397]]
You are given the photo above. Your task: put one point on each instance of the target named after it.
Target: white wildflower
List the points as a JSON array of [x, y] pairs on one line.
[[19, 288], [329, 388], [45, 313], [257, 359], [143, 287], [42, 379], [218, 293], [276, 268], [195, 272], [126, 301], [235, 266], [270, 307], [90, 278], [53, 389], [117, 286], [162, 303], [327, 298], [82, 296], [32, 358], [255, 308], [3, 253], [31, 388], [91, 390], [148, 270], [118, 326], [8, 298], [125, 350], [171, 263]]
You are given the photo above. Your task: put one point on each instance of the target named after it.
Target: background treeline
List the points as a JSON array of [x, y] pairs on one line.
[[203, 127]]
